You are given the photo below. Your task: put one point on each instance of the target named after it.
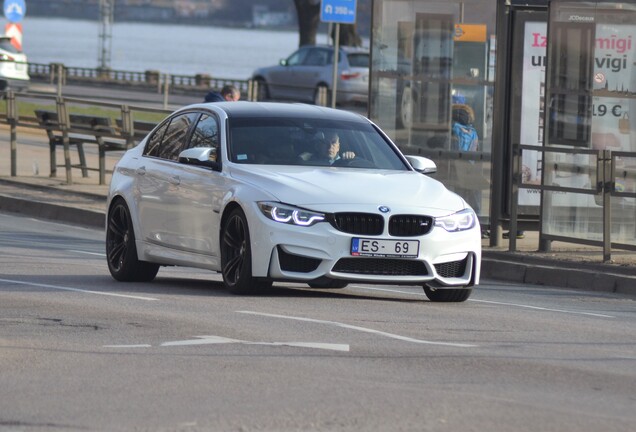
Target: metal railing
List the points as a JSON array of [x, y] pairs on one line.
[[129, 122], [602, 187], [60, 74]]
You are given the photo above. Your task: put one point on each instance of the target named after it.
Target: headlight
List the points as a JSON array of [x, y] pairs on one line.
[[460, 221], [290, 215]]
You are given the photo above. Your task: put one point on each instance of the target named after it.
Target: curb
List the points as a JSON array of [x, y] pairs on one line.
[[563, 274], [88, 218]]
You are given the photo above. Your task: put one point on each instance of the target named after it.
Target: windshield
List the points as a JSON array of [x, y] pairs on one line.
[[313, 142]]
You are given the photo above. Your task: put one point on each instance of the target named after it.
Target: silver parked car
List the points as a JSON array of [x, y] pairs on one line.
[[302, 76]]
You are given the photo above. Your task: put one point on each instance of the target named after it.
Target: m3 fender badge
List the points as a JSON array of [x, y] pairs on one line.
[[384, 209]]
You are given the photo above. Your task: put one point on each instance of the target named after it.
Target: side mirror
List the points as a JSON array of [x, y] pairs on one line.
[[421, 164], [201, 156]]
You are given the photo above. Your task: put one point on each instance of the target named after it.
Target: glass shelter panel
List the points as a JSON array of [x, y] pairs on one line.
[[575, 209], [623, 206], [430, 72], [591, 89]]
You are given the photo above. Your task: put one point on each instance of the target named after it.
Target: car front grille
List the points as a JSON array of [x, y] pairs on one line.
[[410, 225], [358, 223], [373, 224], [296, 263], [381, 267], [452, 269]]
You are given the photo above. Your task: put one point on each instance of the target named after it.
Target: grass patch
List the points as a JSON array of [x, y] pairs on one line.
[[27, 109]]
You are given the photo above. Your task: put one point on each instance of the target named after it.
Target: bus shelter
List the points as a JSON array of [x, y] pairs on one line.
[[549, 87]]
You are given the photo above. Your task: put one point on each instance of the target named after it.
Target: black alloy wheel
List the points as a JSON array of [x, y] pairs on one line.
[[236, 256], [121, 252]]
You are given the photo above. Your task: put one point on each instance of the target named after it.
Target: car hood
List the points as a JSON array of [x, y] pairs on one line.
[[340, 189]]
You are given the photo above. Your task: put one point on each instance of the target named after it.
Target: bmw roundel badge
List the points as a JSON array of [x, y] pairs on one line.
[[384, 209]]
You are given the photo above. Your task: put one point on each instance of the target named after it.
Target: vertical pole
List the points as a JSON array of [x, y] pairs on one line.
[[608, 187], [62, 118], [166, 87], [500, 123], [13, 119], [336, 51], [60, 78], [106, 14], [250, 91], [516, 180], [127, 126]]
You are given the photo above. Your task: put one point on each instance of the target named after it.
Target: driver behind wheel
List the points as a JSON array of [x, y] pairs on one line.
[[328, 151]]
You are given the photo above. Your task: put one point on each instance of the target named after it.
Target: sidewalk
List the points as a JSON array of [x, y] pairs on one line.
[[32, 192]]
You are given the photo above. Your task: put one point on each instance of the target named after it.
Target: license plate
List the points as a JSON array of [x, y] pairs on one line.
[[385, 248]]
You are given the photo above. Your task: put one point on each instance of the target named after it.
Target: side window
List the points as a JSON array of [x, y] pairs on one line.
[[175, 137], [316, 57], [206, 133], [152, 145], [297, 57]]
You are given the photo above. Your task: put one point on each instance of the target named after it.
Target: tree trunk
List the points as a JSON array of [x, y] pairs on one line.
[[308, 12], [348, 35]]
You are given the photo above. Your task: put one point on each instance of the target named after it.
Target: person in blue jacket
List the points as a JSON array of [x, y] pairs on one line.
[[228, 93]]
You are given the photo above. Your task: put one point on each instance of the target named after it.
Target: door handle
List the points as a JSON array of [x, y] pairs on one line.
[[175, 180]]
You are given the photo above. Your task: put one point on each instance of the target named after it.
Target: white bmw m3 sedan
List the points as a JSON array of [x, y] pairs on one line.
[[266, 192]]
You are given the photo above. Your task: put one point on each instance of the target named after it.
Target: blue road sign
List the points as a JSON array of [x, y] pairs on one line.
[[338, 11], [14, 10]]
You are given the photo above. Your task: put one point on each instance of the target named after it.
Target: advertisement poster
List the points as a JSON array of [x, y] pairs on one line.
[[613, 121], [614, 98], [532, 108]]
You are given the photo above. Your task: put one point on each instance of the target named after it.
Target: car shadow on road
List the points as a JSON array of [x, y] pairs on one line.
[[214, 288]]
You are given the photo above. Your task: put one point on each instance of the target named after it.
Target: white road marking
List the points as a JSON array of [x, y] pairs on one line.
[[57, 287], [361, 329], [87, 253], [543, 308], [210, 340], [205, 340], [128, 346], [594, 314]]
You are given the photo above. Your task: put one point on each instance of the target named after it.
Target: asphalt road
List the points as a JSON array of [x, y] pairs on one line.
[[79, 351]]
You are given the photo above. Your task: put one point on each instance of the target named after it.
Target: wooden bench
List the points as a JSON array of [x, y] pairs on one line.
[[80, 130], [139, 131]]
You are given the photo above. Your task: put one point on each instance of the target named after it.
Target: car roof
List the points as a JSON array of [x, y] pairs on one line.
[[246, 109], [345, 48]]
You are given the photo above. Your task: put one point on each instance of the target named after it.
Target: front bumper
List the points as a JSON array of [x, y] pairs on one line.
[[286, 252]]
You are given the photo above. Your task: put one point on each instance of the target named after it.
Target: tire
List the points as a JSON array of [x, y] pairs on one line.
[[327, 283], [262, 91], [236, 256], [447, 295], [121, 251], [319, 89]]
